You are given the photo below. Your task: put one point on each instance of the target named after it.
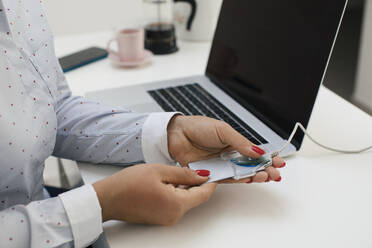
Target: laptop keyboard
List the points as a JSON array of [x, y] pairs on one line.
[[192, 99]]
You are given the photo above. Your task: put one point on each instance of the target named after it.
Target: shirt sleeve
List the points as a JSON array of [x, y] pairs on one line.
[[155, 138], [91, 132], [84, 214], [53, 222]]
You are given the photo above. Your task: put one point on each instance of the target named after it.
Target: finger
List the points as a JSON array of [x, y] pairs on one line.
[[197, 195], [182, 176], [278, 162], [231, 181], [273, 173], [260, 177], [231, 137]]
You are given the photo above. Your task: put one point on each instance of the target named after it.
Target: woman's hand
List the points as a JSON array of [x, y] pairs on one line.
[[194, 138], [150, 193]]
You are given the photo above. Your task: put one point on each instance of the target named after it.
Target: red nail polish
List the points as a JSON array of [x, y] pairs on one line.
[[268, 179], [258, 150], [282, 165], [249, 182], [279, 179], [203, 173]]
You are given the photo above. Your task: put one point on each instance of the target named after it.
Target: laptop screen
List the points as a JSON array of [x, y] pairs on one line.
[[271, 56]]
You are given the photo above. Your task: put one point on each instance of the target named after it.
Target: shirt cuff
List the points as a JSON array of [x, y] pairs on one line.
[[84, 213], [155, 138]]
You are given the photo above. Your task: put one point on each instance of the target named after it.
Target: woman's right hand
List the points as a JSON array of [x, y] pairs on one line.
[[149, 193]]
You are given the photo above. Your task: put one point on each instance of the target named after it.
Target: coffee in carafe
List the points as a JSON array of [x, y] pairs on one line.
[[160, 33]]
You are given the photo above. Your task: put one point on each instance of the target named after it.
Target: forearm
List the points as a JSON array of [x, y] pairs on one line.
[[88, 131], [38, 224], [73, 218]]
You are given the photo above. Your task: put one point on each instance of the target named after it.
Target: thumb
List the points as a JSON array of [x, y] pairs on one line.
[[183, 176]]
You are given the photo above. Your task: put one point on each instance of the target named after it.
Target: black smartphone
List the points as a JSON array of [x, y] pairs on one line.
[[81, 58]]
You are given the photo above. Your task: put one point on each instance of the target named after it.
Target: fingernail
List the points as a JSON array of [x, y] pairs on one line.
[[203, 173], [282, 165], [279, 179], [249, 182], [268, 179], [258, 150]]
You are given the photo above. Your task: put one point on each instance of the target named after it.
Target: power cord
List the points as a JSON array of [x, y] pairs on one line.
[[299, 125]]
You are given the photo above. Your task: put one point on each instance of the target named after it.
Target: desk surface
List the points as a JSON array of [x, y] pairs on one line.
[[324, 200]]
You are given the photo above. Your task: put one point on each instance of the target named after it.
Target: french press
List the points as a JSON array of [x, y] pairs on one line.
[[160, 34]]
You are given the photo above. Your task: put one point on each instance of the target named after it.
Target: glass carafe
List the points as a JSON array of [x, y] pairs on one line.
[[160, 35]]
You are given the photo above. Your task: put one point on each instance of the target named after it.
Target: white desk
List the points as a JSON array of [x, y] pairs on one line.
[[324, 200]]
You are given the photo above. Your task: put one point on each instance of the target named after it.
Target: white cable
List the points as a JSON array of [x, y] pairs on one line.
[[274, 154]]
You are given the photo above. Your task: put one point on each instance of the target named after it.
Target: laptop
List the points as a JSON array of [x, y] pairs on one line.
[[266, 64]]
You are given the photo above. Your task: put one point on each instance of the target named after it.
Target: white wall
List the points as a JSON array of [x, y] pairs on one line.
[[363, 91], [79, 16]]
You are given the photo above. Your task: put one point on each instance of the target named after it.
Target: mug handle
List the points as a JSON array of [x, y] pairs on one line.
[[193, 12], [109, 45]]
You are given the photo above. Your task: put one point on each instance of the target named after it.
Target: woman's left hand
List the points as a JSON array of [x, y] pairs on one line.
[[194, 138]]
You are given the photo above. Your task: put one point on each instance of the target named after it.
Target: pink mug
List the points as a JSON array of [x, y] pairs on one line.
[[130, 44]]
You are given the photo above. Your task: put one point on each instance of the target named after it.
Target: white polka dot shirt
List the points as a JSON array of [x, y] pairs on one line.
[[38, 118]]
